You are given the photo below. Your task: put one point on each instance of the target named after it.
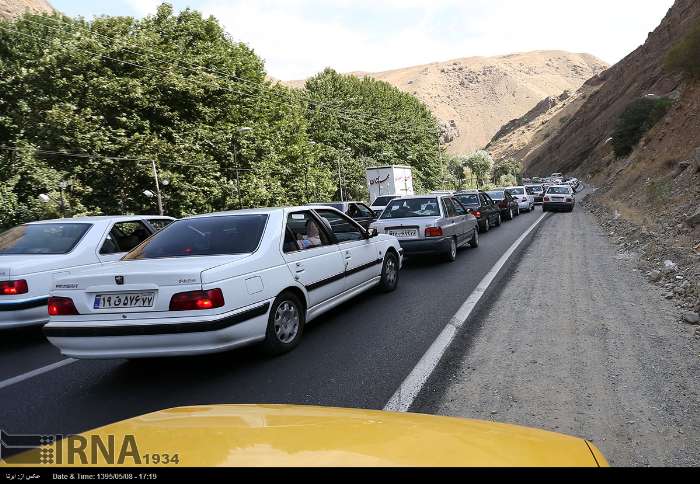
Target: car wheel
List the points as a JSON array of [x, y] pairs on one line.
[[498, 220], [284, 325], [474, 242], [487, 226], [451, 254], [517, 212], [390, 273]]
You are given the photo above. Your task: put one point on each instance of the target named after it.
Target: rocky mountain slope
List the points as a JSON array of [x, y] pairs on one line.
[[12, 8], [649, 200], [474, 96]]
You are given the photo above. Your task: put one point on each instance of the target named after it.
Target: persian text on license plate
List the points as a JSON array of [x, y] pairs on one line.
[[404, 234], [126, 300]]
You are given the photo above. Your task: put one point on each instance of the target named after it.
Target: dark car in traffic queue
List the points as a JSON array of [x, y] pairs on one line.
[[358, 211], [506, 203], [487, 213]]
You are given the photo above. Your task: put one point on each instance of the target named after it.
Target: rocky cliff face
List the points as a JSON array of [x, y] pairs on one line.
[[649, 201], [581, 144], [11, 8]]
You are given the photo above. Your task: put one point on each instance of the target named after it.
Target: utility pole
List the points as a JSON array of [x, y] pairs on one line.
[[62, 205], [241, 130], [155, 176]]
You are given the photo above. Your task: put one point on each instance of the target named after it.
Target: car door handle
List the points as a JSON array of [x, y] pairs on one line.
[[347, 255]]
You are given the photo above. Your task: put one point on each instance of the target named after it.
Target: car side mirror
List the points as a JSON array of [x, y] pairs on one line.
[[372, 232]]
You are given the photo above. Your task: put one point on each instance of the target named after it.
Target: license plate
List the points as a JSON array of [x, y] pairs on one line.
[[125, 300], [404, 233], [558, 198]]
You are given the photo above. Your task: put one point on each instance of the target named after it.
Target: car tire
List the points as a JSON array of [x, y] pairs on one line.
[[498, 220], [487, 225], [517, 212], [390, 273], [474, 242], [286, 308], [510, 214], [451, 254]]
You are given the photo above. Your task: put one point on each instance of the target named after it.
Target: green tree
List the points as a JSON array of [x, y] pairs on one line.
[[638, 118], [481, 165], [507, 167], [360, 122]]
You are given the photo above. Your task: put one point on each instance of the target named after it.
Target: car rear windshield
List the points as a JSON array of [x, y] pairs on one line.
[[534, 189], [48, 238], [221, 235], [496, 195], [516, 191], [412, 207], [382, 201], [468, 199], [558, 190]]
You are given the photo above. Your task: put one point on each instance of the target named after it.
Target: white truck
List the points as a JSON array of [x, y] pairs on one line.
[[385, 181]]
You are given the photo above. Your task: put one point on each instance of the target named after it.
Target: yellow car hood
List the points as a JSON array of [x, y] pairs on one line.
[[288, 435]]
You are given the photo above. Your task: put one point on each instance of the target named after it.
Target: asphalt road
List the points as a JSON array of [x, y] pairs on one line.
[[356, 356]]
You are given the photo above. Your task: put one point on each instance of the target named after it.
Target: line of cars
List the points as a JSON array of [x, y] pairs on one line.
[[132, 287]]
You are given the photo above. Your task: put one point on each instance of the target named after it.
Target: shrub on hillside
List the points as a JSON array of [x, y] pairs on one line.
[[684, 55], [639, 117]]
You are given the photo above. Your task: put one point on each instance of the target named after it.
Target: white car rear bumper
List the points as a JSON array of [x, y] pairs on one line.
[[25, 312], [162, 337]]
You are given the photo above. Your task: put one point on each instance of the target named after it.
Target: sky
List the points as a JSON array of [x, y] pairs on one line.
[[298, 38]]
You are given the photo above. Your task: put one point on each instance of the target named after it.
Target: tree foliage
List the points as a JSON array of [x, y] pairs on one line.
[[372, 123], [638, 118], [481, 165], [176, 89], [507, 167], [685, 55]]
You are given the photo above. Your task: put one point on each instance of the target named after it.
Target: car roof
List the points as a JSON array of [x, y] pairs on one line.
[[101, 218], [256, 211]]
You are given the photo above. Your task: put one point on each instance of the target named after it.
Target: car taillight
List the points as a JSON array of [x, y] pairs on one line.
[[546, 199], [10, 288], [62, 306], [433, 232], [197, 300], [476, 213]]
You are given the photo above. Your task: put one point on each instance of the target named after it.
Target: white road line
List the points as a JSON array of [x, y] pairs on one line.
[[411, 386], [37, 372]]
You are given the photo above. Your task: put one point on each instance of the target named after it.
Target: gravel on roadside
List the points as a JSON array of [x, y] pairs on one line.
[[579, 342]]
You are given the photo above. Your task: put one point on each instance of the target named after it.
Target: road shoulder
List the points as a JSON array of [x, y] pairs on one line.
[[578, 342]]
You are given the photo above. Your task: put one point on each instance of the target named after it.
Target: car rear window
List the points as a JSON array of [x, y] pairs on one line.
[[558, 190], [221, 235], [48, 238], [496, 195], [516, 191], [470, 199], [382, 201], [412, 207]]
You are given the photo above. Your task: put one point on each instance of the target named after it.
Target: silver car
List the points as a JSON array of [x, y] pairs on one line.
[[429, 224]]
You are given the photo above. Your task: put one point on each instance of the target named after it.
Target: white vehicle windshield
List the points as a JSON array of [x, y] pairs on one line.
[[49, 238], [412, 207], [221, 235]]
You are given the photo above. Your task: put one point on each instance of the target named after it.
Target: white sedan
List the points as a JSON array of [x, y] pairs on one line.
[[216, 282], [526, 202], [34, 254]]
